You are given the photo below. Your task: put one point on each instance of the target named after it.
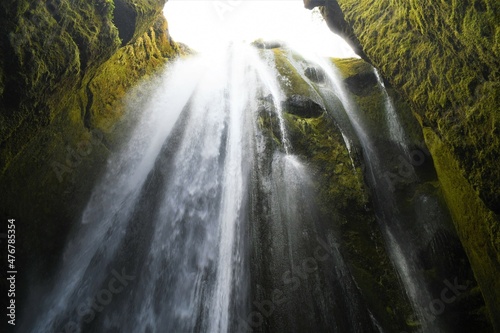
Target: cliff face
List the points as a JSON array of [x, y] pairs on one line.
[[344, 201], [64, 68], [52, 50], [444, 59], [318, 127]]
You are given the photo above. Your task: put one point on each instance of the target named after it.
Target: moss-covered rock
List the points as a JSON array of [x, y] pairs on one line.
[[64, 74], [50, 48], [361, 81], [474, 222], [291, 80], [446, 63], [302, 106], [47, 48], [338, 174], [443, 57], [124, 69]]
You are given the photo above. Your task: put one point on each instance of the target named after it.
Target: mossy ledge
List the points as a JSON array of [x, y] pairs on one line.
[[443, 58], [473, 220], [64, 70]]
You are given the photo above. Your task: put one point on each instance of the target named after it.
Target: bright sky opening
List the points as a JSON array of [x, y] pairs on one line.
[[204, 24]]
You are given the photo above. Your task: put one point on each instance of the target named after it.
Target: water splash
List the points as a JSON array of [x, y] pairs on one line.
[[398, 238], [392, 119], [175, 206], [171, 206]]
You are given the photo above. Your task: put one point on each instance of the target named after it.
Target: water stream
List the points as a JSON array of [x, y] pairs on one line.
[[202, 223]]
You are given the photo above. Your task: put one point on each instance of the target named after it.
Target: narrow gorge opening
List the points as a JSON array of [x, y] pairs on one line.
[[265, 179]]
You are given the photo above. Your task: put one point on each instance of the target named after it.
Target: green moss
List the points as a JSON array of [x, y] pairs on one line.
[[349, 67], [443, 64], [318, 141], [124, 69], [371, 102], [344, 195], [56, 135], [443, 57], [291, 81], [345, 202], [477, 226], [50, 46], [344, 199]]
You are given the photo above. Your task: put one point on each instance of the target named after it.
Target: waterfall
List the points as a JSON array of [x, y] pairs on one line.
[[404, 237], [206, 220], [318, 291], [392, 119], [391, 221], [170, 214]]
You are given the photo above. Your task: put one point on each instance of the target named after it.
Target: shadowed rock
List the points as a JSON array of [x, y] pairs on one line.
[[315, 74], [359, 84], [303, 107], [260, 44]]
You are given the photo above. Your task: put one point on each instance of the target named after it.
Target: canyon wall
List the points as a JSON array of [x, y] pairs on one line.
[[443, 58], [65, 67]]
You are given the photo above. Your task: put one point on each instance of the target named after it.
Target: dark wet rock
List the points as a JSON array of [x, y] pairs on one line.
[[310, 4], [261, 44], [361, 83], [315, 74], [303, 107], [445, 65]]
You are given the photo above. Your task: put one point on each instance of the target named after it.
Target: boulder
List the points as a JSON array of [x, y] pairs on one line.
[[360, 83], [267, 45], [315, 74], [303, 107]]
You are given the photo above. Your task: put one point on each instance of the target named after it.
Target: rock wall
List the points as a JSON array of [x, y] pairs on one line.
[[344, 201], [65, 66], [443, 57], [52, 48], [317, 127]]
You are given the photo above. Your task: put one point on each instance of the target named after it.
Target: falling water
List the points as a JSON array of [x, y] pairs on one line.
[[392, 119], [403, 240], [269, 75], [170, 211], [392, 222], [290, 233], [202, 216]]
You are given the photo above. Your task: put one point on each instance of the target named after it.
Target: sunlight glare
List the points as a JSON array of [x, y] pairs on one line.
[[205, 24]]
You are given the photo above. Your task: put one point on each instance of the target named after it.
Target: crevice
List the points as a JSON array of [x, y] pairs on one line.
[[124, 19], [87, 116]]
